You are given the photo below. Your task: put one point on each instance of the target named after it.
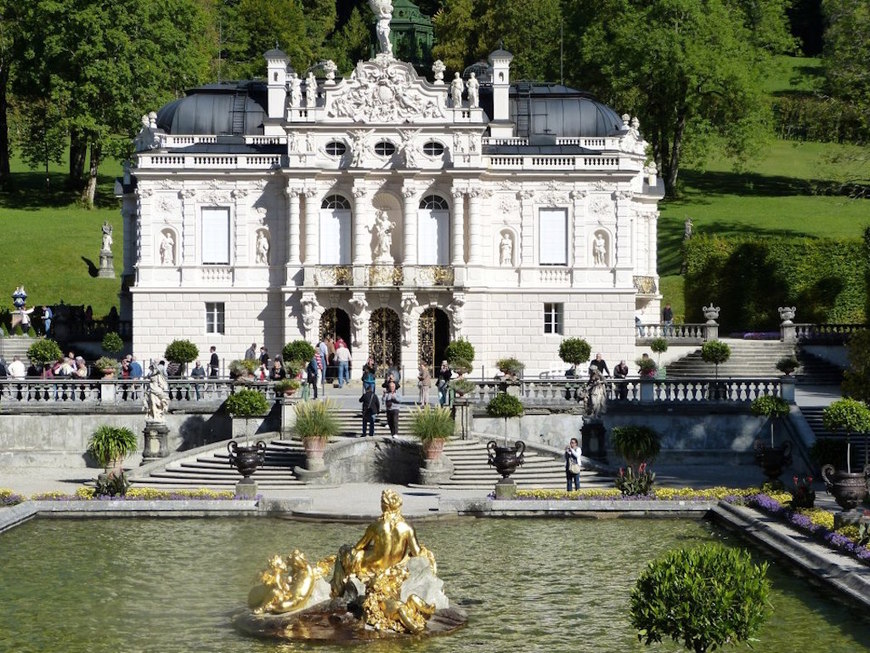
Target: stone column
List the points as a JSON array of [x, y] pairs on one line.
[[652, 226], [362, 210], [409, 255], [621, 235], [146, 231], [241, 253], [458, 244], [312, 227], [293, 210], [475, 228]]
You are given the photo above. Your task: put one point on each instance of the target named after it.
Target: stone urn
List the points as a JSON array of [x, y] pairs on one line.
[[772, 459], [505, 459], [314, 447], [847, 489], [433, 448], [247, 458]]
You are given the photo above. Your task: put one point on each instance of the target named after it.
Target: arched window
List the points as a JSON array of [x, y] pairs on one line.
[[335, 148], [335, 202], [433, 148], [435, 203], [385, 148]]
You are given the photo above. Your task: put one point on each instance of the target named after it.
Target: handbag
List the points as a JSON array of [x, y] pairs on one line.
[[574, 468]]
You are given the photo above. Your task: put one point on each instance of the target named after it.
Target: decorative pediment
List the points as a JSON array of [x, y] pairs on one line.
[[384, 90]]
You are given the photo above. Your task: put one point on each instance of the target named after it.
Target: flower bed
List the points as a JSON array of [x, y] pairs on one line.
[[9, 498], [659, 494]]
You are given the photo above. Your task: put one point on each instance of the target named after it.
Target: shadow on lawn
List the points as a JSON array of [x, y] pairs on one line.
[[92, 269], [33, 191], [751, 184]]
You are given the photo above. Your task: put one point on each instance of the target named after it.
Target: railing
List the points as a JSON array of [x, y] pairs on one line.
[[589, 143], [550, 392], [826, 333], [675, 334], [521, 162], [202, 161]]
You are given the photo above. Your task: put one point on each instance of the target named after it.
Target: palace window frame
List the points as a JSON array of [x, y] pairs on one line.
[[336, 148], [215, 235], [554, 318], [385, 148], [433, 149], [215, 318]]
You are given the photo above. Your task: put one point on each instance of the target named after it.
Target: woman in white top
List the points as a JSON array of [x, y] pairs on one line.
[[572, 464]]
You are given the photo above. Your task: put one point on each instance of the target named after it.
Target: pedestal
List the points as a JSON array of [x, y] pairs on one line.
[[156, 439], [246, 488], [592, 439], [506, 488], [288, 413], [107, 265]]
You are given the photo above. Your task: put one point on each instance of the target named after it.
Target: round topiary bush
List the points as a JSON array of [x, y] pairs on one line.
[[510, 366], [43, 351], [112, 343], [181, 352], [677, 597], [787, 364], [504, 405], [716, 352], [459, 350], [246, 403], [574, 351], [636, 444], [298, 350], [659, 346]]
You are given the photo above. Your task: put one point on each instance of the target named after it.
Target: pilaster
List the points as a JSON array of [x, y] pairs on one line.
[[457, 247], [312, 226]]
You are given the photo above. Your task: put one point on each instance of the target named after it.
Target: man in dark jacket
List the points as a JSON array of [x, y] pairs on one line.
[[371, 406]]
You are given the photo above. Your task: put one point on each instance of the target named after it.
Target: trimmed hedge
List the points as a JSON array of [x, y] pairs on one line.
[[749, 278]]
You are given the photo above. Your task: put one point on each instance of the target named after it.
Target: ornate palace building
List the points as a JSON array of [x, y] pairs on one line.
[[393, 211]]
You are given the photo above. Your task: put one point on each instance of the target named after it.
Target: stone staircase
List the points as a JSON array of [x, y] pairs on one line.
[[816, 371], [11, 346], [749, 358], [813, 415]]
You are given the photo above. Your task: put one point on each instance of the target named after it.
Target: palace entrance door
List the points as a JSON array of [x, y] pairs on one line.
[[434, 336], [385, 344]]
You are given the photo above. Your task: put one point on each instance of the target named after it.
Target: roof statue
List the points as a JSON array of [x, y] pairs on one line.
[[383, 9]]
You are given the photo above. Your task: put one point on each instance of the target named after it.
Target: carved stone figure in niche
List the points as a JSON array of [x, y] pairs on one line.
[[167, 249], [456, 88], [383, 10], [107, 237], [473, 87], [262, 248], [599, 250], [310, 91], [383, 232], [295, 91], [506, 249], [359, 147], [410, 149]]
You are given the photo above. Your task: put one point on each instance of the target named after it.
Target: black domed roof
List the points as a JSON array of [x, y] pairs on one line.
[[555, 110], [224, 108]]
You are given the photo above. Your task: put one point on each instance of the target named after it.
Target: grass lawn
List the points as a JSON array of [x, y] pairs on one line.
[[52, 246]]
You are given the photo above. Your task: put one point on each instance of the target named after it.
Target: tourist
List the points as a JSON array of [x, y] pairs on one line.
[[135, 368], [392, 400], [391, 378], [620, 372], [572, 465], [646, 370], [311, 374], [251, 352], [198, 375], [47, 315], [277, 372], [323, 351], [638, 324], [264, 355], [424, 382], [368, 374], [600, 365], [16, 368], [81, 371], [371, 406], [668, 320], [262, 372], [442, 383], [125, 367], [342, 358], [214, 363]]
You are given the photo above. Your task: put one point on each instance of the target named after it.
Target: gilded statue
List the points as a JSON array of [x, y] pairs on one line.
[[385, 609], [287, 584]]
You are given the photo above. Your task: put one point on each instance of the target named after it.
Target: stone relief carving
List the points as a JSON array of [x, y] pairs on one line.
[[438, 69], [599, 250], [506, 249], [262, 247], [148, 138], [310, 307], [383, 90], [411, 151], [382, 230], [409, 303], [358, 319], [456, 311], [601, 206], [167, 247]]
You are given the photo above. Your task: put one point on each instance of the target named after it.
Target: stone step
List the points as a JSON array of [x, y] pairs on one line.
[[859, 443]]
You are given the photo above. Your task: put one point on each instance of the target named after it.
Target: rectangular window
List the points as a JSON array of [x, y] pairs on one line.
[[214, 317], [215, 236], [553, 318], [553, 237]]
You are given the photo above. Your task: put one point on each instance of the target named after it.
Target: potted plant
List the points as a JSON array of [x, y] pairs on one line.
[[180, 353], [109, 445], [659, 346], [505, 459], [461, 366], [298, 350], [639, 446], [241, 369], [244, 404], [716, 352], [851, 416], [510, 367], [459, 350], [787, 365], [112, 343], [646, 368], [108, 366], [462, 387], [287, 387], [315, 424], [43, 351], [433, 425], [574, 351], [772, 459]]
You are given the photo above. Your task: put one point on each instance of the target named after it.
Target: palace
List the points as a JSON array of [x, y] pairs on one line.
[[393, 211]]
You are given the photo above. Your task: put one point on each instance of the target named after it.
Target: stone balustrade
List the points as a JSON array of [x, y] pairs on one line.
[[675, 334], [826, 333]]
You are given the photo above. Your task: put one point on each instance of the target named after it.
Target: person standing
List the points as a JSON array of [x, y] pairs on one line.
[[368, 373], [264, 356], [277, 372], [392, 401], [342, 357], [599, 364], [620, 372], [443, 381], [424, 382], [198, 376], [311, 374], [371, 406], [214, 363], [572, 464], [323, 351], [251, 352], [47, 315], [668, 320]]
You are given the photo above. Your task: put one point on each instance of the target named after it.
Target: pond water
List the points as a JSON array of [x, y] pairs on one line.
[[143, 585]]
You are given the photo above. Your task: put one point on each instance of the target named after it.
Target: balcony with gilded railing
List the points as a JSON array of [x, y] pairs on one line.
[[379, 276]]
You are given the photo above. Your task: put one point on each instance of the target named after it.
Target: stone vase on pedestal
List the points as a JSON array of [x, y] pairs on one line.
[[506, 460], [156, 441]]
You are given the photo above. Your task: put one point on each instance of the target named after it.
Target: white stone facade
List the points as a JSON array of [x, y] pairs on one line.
[[376, 192]]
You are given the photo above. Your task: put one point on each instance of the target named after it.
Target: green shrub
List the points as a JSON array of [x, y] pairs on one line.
[[504, 405], [510, 366], [106, 363], [43, 351], [110, 444], [716, 352], [112, 343], [459, 350], [787, 364], [298, 350], [856, 380], [31, 332], [701, 597], [633, 482], [646, 367], [829, 451], [432, 423], [769, 406], [750, 277], [461, 366], [316, 419], [246, 403], [574, 351], [819, 118], [242, 367], [17, 331], [463, 386], [847, 415], [636, 444], [659, 345], [284, 385], [181, 352]]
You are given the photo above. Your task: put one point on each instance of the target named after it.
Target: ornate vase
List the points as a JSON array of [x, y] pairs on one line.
[[314, 447], [772, 459], [504, 459], [848, 489], [433, 449], [246, 459]]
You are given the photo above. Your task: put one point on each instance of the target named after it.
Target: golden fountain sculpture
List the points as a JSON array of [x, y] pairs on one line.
[[385, 585]]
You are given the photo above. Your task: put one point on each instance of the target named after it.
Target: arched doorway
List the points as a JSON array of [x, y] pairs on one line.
[[335, 324], [385, 343], [434, 336]]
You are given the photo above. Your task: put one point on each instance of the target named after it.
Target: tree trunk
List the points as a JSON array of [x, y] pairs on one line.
[[673, 165], [4, 126], [78, 148], [90, 189]]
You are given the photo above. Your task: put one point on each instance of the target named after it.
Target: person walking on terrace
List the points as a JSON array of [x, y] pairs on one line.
[[371, 406], [392, 401]]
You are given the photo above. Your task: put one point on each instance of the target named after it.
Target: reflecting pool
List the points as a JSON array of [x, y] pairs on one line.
[[143, 585]]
